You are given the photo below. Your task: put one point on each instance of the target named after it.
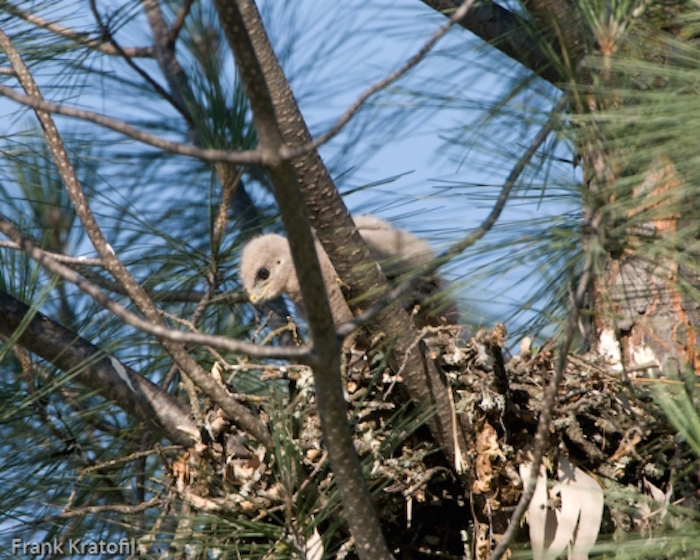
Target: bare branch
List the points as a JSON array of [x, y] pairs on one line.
[[80, 38], [58, 257], [123, 509], [256, 156], [179, 20]]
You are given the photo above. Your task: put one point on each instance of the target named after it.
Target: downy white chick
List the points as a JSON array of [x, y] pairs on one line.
[[267, 271]]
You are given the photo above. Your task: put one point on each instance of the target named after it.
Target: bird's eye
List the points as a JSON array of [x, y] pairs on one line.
[[263, 273]]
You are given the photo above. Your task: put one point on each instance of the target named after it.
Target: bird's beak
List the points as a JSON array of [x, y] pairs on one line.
[[259, 293]]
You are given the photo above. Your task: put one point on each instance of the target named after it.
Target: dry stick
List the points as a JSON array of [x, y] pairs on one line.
[[256, 156], [123, 509], [228, 187], [460, 246], [547, 409], [80, 38], [357, 503], [236, 412], [58, 257], [299, 353]]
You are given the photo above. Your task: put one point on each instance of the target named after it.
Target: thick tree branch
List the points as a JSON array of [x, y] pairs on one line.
[[506, 31], [68, 352], [332, 408]]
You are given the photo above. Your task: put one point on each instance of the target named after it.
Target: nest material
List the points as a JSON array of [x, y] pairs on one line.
[[606, 423]]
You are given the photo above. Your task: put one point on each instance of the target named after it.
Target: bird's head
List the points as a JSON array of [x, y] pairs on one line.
[[267, 270]]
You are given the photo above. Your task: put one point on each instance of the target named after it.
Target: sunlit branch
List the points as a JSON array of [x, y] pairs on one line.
[[58, 257], [256, 156]]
